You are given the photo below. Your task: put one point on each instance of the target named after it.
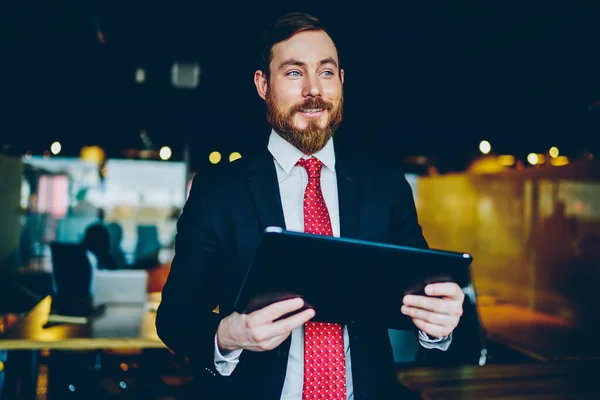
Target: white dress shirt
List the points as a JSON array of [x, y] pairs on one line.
[[292, 183]]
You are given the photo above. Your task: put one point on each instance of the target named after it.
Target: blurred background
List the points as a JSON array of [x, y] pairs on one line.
[[110, 108]]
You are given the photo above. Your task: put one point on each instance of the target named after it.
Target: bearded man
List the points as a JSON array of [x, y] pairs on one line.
[[259, 355]]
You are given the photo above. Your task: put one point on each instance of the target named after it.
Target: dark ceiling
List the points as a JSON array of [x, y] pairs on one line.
[[422, 77]]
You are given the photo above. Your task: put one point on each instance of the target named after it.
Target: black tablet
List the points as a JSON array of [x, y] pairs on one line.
[[345, 280]]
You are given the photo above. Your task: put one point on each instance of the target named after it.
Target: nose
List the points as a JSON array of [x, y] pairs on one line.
[[312, 87]]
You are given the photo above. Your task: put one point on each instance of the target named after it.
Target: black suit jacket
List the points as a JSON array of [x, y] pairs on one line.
[[217, 233]]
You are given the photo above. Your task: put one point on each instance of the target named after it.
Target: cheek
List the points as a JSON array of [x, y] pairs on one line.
[[333, 93], [287, 95]]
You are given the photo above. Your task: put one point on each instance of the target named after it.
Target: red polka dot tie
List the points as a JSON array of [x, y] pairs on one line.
[[324, 363]]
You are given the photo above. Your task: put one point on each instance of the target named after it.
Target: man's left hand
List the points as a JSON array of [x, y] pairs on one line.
[[436, 314]]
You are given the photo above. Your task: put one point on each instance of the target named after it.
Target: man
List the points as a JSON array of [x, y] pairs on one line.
[[257, 355]]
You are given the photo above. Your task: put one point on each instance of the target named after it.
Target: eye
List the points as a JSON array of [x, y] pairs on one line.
[[328, 73], [293, 74]]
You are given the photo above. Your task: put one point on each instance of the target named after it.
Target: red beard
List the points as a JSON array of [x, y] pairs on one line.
[[312, 138]]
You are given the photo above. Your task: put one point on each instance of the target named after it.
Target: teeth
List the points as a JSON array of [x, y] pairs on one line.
[[313, 110]]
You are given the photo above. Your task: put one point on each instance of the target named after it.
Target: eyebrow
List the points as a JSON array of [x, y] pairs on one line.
[[298, 63]]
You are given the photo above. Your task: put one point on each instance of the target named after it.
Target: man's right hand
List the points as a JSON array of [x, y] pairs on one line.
[[258, 330]]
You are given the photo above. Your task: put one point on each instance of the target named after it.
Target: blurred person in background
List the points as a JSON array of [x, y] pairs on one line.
[[97, 241]]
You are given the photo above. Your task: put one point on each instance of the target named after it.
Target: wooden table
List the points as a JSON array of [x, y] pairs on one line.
[[566, 380], [567, 367], [122, 326], [540, 336]]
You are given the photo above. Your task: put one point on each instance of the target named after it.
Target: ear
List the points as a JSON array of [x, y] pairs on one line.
[[342, 76], [261, 83]]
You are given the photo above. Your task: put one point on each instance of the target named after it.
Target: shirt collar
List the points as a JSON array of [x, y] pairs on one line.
[[287, 155]]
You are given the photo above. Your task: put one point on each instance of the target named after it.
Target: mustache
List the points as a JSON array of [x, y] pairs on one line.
[[315, 102]]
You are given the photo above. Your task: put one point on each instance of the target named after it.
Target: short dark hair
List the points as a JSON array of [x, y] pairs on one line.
[[284, 28]]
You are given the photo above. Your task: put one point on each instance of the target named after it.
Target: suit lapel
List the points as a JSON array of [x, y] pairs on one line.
[[265, 191], [348, 198]]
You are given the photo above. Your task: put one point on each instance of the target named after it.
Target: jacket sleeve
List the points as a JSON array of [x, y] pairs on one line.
[[185, 319]]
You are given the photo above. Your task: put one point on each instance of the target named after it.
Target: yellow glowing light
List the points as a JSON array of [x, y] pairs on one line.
[[485, 147], [234, 156], [559, 161], [553, 152], [506, 160], [532, 158], [214, 157], [92, 154], [55, 148], [165, 153], [485, 165]]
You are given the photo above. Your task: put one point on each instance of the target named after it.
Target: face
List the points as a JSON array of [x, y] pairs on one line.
[[304, 95]]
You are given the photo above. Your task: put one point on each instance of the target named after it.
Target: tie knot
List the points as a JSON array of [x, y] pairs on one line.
[[312, 165]]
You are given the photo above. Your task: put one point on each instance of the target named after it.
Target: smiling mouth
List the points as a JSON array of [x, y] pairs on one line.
[[312, 112]]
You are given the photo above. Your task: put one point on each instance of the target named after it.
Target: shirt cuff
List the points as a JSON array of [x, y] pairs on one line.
[[225, 364], [439, 343]]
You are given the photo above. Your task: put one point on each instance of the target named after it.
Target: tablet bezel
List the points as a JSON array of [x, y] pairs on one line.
[[267, 280]]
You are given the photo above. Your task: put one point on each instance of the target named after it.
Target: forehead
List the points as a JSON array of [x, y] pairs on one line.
[[307, 46]]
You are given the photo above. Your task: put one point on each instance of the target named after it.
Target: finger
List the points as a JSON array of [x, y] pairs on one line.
[[431, 329], [441, 306], [265, 333], [445, 289], [290, 323], [430, 317], [273, 311]]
